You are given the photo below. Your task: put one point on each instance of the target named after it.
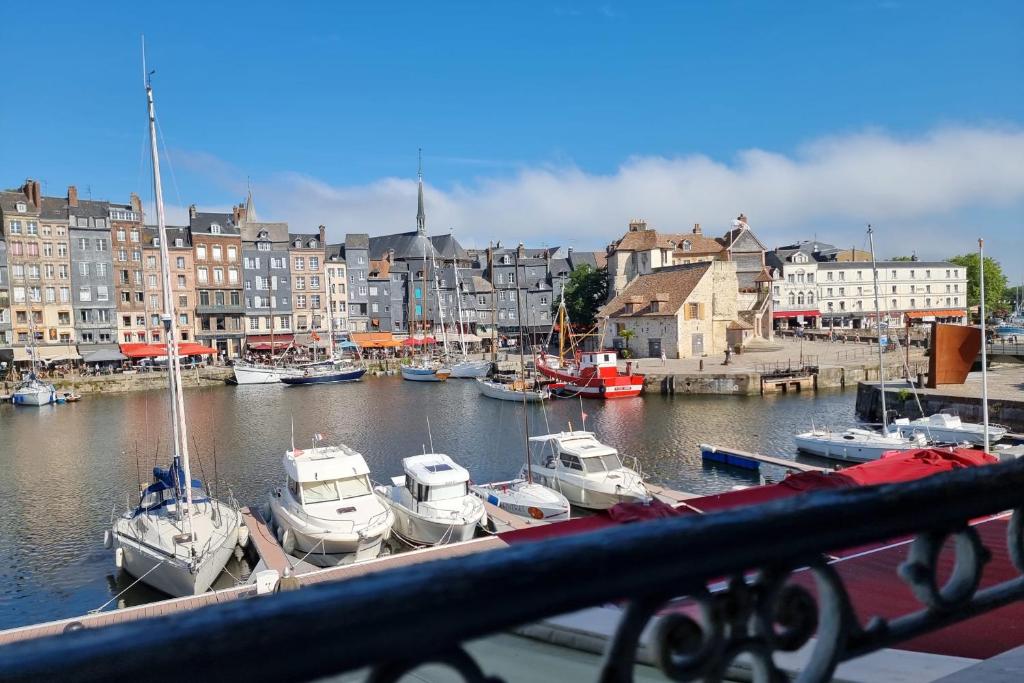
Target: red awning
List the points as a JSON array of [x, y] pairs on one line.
[[812, 313], [938, 313], [266, 342], [419, 341], [158, 350]]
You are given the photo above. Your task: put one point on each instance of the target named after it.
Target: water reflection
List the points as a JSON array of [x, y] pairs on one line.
[[65, 469]]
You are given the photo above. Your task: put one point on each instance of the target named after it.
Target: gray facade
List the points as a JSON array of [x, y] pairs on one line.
[[92, 273], [266, 277], [357, 260], [6, 334], [524, 274]]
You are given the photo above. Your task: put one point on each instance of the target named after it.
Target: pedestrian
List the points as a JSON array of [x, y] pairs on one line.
[[663, 358]]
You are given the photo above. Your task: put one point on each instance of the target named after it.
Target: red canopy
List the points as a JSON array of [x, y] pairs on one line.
[[419, 341], [156, 350]]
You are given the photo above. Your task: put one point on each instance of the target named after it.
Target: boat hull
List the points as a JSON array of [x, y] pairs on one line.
[[471, 369], [584, 496], [592, 386], [424, 374], [946, 435], [532, 501], [424, 531], [326, 548], [834, 447], [248, 374], [326, 378], [502, 393], [35, 397]]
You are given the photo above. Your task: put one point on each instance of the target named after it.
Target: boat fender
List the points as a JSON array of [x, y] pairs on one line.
[[108, 540], [288, 541], [243, 536], [535, 512], [119, 558], [280, 533]]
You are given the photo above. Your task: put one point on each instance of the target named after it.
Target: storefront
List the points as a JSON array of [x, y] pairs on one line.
[[807, 318]]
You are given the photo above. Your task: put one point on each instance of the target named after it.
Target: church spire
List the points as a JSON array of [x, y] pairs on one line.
[[421, 214]]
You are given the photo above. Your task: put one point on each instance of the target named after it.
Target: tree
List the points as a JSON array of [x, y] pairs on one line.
[[584, 293], [626, 336], [995, 281], [903, 258]]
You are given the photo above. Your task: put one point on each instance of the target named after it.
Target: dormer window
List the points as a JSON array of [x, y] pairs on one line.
[[179, 242], [687, 245], [312, 244], [21, 207], [156, 241], [214, 229], [263, 235], [297, 243]]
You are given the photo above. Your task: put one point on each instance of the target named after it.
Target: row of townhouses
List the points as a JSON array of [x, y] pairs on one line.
[[85, 275]]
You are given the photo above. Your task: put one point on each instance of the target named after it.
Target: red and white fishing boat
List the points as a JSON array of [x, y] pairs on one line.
[[594, 374]]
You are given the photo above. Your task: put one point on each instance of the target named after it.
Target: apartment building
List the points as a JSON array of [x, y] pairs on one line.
[[92, 279], [152, 275], [6, 335], [126, 250], [266, 281], [307, 256], [357, 260], [183, 280], [217, 256], [337, 289]]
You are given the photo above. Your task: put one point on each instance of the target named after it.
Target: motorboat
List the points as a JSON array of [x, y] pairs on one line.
[[525, 499], [33, 391], [260, 373], [326, 374], [469, 369], [432, 502], [328, 513], [946, 428], [425, 372], [178, 538], [588, 473], [856, 444], [516, 390]]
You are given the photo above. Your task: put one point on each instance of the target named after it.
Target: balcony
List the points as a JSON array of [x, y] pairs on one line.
[[213, 309]]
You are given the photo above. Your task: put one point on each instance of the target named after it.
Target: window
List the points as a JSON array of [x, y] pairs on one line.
[[122, 254], [263, 246], [314, 263], [300, 301], [232, 253], [31, 228], [150, 261], [180, 261], [183, 319], [151, 281], [15, 227], [235, 298], [218, 298], [218, 275], [217, 252], [181, 282], [314, 301], [300, 283], [299, 263], [201, 252], [65, 295], [314, 282], [202, 275], [179, 242], [83, 269], [101, 269], [101, 293], [183, 301], [84, 294], [83, 243], [233, 276], [829, 276], [62, 249], [912, 275], [51, 296], [204, 298], [214, 229], [254, 323]]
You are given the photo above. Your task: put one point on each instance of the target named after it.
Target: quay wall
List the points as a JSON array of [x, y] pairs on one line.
[[142, 381], [900, 399]]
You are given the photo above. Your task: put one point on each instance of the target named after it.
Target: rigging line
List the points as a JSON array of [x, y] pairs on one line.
[[167, 160]]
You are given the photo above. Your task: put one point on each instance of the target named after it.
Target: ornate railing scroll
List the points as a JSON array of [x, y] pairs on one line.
[[393, 621]]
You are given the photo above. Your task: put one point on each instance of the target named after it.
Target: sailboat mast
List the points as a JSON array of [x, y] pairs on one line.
[[984, 341], [170, 322], [494, 304], [522, 363], [878, 320], [458, 304]]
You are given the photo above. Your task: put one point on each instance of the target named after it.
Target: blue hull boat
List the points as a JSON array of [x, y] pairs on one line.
[[326, 376]]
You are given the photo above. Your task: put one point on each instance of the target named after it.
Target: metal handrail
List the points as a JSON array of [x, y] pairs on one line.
[[645, 564]]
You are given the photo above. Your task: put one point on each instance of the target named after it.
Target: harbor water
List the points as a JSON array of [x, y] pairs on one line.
[[65, 470]]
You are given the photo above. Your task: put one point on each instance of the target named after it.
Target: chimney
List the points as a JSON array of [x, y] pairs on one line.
[[637, 224], [323, 235], [696, 229], [31, 192], [136, 204], [390, 256], [521, 250], [192, 211], [72, 195]]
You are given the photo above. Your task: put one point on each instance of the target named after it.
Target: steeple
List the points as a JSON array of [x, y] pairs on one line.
[[250, 209], [421, 214]]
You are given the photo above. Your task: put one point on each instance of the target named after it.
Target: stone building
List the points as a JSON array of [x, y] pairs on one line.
[[217, 253], [152, 276], [682, 311], [38, 269], [337, 290], [126, 250], [183, 280], [742, 247], [267, 279], [357, 265], [6, 334], [309, 282], [92, 278]]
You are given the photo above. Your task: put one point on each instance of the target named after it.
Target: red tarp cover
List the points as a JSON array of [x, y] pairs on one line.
[[157, 350]]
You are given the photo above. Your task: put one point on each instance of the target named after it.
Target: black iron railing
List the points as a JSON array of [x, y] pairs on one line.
[[396, 620]]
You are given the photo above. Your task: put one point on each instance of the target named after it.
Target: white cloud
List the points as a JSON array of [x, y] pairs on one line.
[[915, 190]]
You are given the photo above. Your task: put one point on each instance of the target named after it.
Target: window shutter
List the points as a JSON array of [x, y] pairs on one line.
[[700, 311], [686, 311]]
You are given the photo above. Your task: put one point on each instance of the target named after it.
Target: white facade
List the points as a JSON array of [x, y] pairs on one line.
[[795, 291], [337, 297]]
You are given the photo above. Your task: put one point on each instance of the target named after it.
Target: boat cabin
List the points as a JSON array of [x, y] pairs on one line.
[[433, 477], [578, 451], [326, 474]]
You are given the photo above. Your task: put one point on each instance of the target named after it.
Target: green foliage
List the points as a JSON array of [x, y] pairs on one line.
[[584, 292], [995, 281], [902, 258]]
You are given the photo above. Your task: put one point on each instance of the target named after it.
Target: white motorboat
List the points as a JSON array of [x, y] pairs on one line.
[[34, 392], [257, 373], [327, 513], [856, 445], [525, 499], [432, 502], [946, 428], [512, 391], [470, 368], [425, 372], [589, 473], [178, 538]]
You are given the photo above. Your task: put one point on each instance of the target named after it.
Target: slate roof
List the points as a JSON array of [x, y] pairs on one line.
[[276, 232], [54, 209], [837, 265], [406, 245], [202, 221], [734, 234], [678, 282], [357, 240], [560, 267], [9, 202], [149, 233], [304, 238], [88, 208], [335, 252], [449, 248]]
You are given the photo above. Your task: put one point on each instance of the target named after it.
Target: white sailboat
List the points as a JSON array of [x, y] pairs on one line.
[[946, 428], [514, 390], [432, 502], [32, 391], [178, 538], [855, 444], [327, 512]]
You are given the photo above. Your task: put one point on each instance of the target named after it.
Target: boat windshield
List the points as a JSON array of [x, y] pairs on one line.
[[602, 463], [449, 491], [353, 487], [319, 491]]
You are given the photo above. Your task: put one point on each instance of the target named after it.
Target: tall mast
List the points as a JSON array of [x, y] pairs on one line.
[[522, 363], [984, 341], [170, 322], [440, 308], [458, 304], [494, 304], [878, 320]]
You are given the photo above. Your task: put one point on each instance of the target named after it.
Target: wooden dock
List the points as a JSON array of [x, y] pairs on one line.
[[667, 495], [760, 459], [502, 520], [262, 539]]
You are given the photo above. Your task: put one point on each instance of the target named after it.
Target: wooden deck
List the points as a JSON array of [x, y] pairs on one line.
[[506, 521], [263, 540], [667, 495], [771, 460]]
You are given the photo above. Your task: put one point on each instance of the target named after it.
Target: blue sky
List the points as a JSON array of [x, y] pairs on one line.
[[552, 120]]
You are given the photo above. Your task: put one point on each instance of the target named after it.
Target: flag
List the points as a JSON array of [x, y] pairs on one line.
[[318, 437], [296, 452], [315, 336]]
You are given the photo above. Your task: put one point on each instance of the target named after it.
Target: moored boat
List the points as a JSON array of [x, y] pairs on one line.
[[516, 390], [525, 499], [469, 369], [256, 373], [325, 375], [592, 374], [34, 392], [425, 372], [327, 513], [855, 444], [946, 428], [432, 502]]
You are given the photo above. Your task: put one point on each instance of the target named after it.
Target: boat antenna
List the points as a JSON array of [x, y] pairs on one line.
[[878, 321], [522, 366], [583, 415], [984, 351], [293, 433], [430, 437]]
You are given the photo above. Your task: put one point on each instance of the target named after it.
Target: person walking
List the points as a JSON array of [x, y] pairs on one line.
[[663, 358]]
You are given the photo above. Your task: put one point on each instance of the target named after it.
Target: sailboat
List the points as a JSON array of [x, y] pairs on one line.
[[178, 537], [32, 391], [855, 444], [424, 369], [523, 496]]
